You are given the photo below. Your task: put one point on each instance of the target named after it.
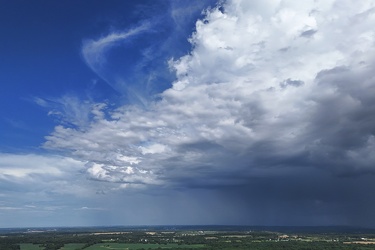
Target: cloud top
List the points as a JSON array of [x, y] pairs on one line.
[[270, 88]]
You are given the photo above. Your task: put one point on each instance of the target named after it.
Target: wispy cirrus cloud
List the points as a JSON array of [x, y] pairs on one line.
[[134, 62], [95, 51], [72, 111]]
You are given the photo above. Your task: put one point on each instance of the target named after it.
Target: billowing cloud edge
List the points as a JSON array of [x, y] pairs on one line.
[[270, 88]]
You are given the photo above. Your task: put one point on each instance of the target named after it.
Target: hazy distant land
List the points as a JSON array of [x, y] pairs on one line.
[[186, 237]]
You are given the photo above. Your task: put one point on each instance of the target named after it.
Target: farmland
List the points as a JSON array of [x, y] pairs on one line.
[[181, 238]]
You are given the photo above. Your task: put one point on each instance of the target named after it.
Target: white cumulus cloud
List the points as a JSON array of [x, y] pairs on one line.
[[268, 85]]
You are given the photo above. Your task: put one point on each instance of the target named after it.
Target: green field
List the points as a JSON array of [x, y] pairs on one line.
[[113, 246], [72, 246], [30, 246], [183, 240], [125, 246]]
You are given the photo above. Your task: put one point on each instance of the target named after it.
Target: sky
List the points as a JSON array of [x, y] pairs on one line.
[[173, 112]]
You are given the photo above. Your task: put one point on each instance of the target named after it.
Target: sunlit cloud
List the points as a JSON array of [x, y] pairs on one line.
[[266, 87]]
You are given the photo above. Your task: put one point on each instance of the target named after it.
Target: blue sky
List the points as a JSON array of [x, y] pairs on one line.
[[187, 112], [42, 56]]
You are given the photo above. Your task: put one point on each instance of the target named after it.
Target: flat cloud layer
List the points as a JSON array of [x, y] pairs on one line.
[[272, 92]]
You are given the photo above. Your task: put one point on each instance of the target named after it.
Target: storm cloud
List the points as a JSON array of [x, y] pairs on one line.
[[282, 124]]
